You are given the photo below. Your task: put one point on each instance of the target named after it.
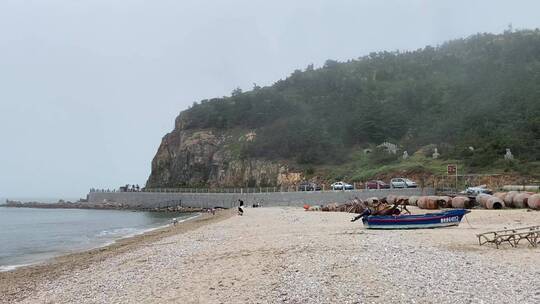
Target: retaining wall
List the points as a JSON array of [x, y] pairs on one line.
[[156, 199]]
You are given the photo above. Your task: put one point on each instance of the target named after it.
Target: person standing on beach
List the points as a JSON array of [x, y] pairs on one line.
[[241, 207]]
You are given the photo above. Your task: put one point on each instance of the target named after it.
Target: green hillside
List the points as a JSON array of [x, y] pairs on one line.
[[481, 92]]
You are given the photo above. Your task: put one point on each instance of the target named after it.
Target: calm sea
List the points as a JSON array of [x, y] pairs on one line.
[[30, 235]]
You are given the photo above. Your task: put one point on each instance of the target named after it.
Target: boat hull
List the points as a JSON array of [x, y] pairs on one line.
[[424, 221]]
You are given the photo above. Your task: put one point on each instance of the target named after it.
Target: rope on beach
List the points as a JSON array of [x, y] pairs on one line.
[[467, 219]]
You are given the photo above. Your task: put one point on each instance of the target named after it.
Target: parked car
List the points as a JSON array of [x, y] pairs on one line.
[[341, 186], [377, 184], [402, 183], [309, 186]]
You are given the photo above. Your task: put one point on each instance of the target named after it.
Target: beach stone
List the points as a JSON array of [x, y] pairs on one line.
[[286, 255]]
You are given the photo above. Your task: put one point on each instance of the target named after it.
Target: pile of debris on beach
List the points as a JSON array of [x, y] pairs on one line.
[[380, 206]]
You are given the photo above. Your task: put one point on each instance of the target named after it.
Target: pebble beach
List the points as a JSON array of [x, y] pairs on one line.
[[287, 255]]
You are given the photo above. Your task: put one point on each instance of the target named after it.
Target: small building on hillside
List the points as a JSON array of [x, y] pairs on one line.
[[388, 147]]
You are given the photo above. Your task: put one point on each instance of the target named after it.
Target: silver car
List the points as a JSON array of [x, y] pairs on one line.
[[341, 186], [402, 183]]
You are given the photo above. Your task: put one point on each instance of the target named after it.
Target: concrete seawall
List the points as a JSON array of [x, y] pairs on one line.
[[158, 199]]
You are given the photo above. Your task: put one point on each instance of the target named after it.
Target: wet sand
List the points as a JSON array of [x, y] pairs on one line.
[[286, 255]]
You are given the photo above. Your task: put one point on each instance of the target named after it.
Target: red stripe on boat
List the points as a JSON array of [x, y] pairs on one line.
[[397, 219]]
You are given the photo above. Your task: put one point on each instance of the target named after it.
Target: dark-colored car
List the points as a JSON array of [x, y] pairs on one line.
[[309, 186], [377, 184]]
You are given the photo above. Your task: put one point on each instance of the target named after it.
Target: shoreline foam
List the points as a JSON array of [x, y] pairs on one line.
[[6, 268]]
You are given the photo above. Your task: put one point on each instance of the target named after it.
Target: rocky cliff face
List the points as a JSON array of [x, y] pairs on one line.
[[188, 158]]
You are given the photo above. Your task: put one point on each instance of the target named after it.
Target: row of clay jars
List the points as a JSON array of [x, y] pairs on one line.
[[456, 202], [434, 202], [441, 201], [428, 202], [534, 201], [392, 199], [413, 199], [516, 199], [497, 201], [461, 202], [490, 201]]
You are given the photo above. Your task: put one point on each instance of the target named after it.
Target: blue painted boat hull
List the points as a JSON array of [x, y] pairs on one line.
[[428, 220]]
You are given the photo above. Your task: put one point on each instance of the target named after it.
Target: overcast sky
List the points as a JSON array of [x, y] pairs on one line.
[[88, 88]]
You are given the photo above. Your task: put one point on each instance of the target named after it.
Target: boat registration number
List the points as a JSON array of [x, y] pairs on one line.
[[450, 219]]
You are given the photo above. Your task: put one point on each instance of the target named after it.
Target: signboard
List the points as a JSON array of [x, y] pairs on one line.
[[451, 169]]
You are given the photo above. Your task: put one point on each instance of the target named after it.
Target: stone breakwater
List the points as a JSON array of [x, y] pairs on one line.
[[60, 204], [105, 204]]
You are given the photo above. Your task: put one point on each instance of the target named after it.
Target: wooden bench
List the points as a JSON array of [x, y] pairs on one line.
[[511, 236]]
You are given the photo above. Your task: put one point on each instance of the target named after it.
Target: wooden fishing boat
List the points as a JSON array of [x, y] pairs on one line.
[[428, 220]]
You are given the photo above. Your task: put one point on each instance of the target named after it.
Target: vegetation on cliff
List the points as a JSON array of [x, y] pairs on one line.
[[481, 92]]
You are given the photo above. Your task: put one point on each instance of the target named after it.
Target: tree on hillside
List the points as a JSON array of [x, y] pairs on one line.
[[480, 91]]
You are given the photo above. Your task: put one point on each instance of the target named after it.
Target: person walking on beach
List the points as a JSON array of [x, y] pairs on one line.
[[241, 207]]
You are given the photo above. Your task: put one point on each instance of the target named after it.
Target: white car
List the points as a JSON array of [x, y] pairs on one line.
[[341, 186], [402, 183]]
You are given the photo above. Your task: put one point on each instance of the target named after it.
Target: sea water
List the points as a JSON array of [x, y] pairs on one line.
[[29, 235]]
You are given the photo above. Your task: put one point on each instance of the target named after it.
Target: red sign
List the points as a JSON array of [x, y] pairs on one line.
[[451, 169]]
